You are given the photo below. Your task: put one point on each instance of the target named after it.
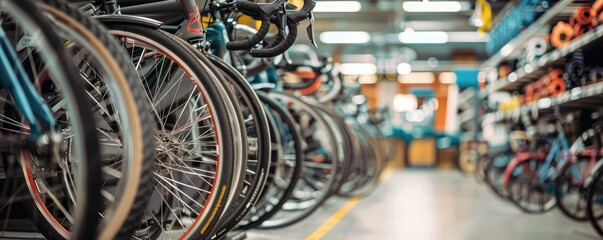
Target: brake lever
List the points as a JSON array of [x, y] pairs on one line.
[[310, 29]]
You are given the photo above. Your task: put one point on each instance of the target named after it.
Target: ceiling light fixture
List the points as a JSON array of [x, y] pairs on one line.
[[337, 6], [439, 6], [424, 37], [345, 37], [358, 68], [467, 37]]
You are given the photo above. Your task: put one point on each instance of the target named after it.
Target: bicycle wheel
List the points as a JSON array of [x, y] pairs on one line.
[[258, 151], [121, 115], [319, 172], [494, 169], [195, 136], [571, 197], [236, 197], [285, 165], [526, 191], [571, 193], [71, 142], [369, 165], [594, 203], [339, 130]]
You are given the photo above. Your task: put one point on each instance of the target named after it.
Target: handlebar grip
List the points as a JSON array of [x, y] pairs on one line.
[[280, 48], [254, 11], [277, 40]]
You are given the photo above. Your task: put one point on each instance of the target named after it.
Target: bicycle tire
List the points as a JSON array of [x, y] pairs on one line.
[[184, 55], [588, 139], [137, 121], [266, 209], [306, 211], [596, 187], [235, 200], [251, 102], [29, 15]]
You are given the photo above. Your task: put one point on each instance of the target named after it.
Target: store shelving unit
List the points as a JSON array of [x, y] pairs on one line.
[[584, 97], [589, 96], [554, 58], [511, 50], [468, 115]]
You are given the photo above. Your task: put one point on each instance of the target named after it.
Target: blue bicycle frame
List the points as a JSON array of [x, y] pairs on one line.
[[15, 80], [559, 146]]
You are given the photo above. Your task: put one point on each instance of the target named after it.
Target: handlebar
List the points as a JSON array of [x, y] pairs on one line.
[[293, 20], [258, 11]]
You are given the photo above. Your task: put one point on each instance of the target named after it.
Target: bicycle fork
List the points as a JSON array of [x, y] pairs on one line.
[[14, 78]]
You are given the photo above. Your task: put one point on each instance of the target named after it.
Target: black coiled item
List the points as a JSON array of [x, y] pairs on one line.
[[574, 69]]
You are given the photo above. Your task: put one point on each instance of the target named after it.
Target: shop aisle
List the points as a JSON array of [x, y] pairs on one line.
[[429, 204]]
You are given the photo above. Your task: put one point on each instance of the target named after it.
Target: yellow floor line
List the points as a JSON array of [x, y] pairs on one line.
[[337, 216], [387, 173], [334, 219]]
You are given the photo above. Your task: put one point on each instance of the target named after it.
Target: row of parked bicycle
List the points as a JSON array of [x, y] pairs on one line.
[[551, 162], [166, 119]]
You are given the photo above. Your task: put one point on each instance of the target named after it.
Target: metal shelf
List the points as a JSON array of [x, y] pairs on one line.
[[584, 97], [554, 58], [513, 48]]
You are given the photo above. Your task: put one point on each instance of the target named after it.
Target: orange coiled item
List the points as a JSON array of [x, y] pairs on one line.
[[557, 87], [561, 35], [556, 74], [583, 16]]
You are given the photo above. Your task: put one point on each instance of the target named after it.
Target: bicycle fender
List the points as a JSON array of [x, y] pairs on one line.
[[128, 19]]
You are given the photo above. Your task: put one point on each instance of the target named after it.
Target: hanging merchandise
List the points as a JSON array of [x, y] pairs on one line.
[[513, 22], [594, 75], [556, 86], [574, 69], [551, 84], [582, 20], [483, 13], [561, 35], [537, 46]]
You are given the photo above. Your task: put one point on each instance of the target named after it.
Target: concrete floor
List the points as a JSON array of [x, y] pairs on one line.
[[430, 204]]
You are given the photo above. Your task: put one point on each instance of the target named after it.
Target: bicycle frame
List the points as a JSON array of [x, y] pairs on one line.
[[560, 150], [14, 78]]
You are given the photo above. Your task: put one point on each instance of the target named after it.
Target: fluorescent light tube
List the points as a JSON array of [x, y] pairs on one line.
[[345, 37], [467, 37], [424, 37], [337, 6], [358, 68], [439, 6]]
